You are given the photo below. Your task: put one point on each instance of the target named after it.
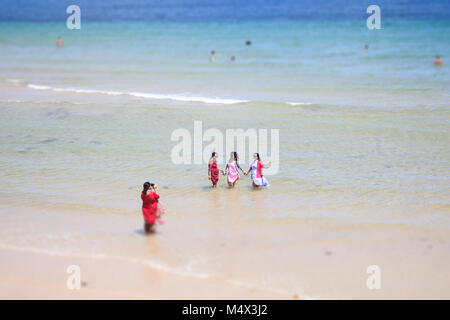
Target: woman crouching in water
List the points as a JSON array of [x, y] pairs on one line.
[[258, 179], [150, 207]]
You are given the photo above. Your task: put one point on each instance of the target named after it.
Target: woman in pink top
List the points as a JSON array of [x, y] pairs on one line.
[[233, 170]]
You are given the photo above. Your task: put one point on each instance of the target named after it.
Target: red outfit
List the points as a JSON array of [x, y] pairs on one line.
[[258, 169], [150, 206], [214, 172]]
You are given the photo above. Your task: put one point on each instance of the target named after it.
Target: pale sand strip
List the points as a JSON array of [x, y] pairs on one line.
[[30, 275]]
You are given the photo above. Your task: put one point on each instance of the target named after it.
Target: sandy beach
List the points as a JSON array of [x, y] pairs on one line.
[[30, 275], [333, 268]]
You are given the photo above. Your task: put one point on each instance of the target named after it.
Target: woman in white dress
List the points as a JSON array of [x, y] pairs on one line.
[[258, 180]]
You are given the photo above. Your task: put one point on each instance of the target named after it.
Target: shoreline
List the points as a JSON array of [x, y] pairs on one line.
[[312, 260], [30, 275]]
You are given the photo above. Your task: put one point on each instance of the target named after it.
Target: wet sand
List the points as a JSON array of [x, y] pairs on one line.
[[28, 275], [315, 259]]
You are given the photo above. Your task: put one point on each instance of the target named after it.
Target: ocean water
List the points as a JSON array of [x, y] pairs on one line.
[[364, 134]]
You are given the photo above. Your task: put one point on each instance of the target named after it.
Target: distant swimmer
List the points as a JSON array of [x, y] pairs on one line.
[[233, 58], [248, 42], [212, 56], [366, 47], [59, 42], [437, 61]]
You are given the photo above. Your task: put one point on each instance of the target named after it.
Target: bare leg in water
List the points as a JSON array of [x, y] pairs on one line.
[[232, 185], [149, 228]]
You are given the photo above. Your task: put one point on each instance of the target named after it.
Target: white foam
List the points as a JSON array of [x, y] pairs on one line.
[[153, 265], [298, 103], [152, 96], [40, 102], [12, 101], [101, 256], [35, 86], [144, 95]]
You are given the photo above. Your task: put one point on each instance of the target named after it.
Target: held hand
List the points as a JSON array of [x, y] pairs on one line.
[[209, 178]]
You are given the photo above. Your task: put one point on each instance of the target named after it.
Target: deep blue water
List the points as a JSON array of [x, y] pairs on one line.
[[220, 10], [302, 51]]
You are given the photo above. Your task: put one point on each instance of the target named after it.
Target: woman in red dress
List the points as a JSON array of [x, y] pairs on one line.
[[150, 198], [213, 170]]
